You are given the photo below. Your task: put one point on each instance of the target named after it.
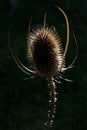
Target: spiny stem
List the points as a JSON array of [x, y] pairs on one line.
[[51, 112]]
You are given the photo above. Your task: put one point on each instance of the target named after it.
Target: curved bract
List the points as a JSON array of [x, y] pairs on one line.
[[17, 61], [67, 27]]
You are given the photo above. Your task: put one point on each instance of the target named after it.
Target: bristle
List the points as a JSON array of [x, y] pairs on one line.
[[46, 51]]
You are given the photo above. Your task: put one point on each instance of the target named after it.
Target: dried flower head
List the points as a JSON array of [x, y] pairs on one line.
[[44, 49]]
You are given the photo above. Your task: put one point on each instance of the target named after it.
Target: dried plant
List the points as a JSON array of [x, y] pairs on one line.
[[45, 52]]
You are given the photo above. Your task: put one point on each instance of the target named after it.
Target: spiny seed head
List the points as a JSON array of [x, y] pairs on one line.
[[45, 51]]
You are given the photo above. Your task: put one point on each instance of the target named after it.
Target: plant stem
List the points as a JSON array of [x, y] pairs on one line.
[[51, 112]]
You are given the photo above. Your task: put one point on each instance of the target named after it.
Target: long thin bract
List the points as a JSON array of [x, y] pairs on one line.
[[20, 65], [67, 27]]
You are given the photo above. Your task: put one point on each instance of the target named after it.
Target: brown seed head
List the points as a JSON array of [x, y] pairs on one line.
[[45, 51]]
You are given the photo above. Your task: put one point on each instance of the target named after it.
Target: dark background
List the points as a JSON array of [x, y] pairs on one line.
[[24, 103]]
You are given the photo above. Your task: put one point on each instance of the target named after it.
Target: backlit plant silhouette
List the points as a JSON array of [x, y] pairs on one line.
[[46, 54]]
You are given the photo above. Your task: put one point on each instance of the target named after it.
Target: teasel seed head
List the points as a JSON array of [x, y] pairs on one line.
[[45, 51]]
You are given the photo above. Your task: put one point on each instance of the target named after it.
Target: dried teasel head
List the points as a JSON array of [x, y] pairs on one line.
[[45, 50]]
